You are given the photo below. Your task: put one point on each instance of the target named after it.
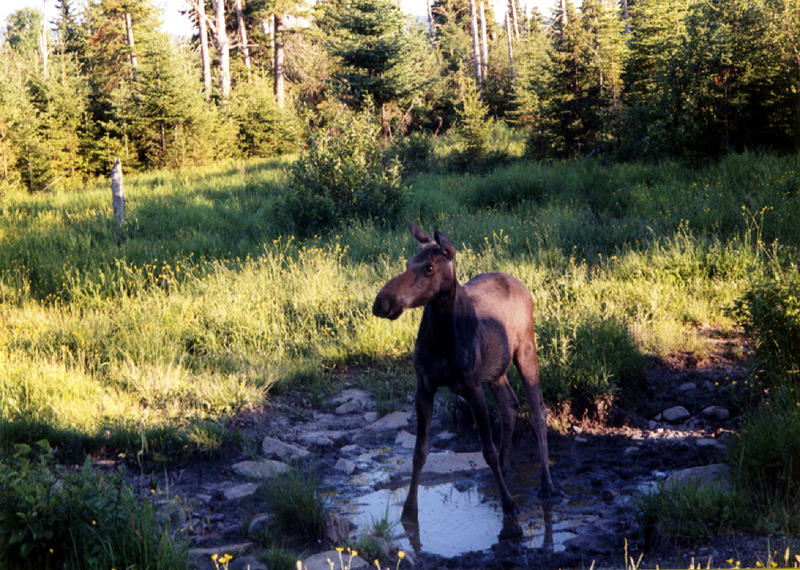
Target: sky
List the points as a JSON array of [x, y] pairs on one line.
[[178, 25]]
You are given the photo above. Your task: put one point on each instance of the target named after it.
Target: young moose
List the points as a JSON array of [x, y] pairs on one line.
[[468, 336]]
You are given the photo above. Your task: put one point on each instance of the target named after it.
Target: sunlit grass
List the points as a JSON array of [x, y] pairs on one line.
[[203, 305]]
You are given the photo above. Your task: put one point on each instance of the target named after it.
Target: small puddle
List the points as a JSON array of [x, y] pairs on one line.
[[456, 518]]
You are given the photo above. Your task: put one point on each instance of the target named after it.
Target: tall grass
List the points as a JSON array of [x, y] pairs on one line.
[[204, 304]]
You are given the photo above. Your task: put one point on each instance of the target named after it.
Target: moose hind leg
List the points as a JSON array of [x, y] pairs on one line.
[[508, 405], [528, 365], [477, 403]]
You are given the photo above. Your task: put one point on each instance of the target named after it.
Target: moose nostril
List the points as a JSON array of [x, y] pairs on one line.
[[380, 307]]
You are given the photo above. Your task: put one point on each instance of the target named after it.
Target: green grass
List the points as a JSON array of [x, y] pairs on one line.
[[203, 306]]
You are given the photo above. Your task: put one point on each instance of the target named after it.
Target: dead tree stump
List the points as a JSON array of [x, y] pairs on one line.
[[118, 194]]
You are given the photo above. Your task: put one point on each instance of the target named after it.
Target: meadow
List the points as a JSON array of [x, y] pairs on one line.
[[149, 339]]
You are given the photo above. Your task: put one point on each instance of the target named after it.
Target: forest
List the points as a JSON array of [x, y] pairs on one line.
[[631, 80], [635, 163]]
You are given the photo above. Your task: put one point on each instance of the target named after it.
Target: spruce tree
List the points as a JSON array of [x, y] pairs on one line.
[[370, 41]]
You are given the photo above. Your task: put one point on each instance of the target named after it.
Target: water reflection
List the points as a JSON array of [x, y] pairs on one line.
[[455, 518]]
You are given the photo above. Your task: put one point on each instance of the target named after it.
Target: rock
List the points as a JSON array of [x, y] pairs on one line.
[[370, 417], [630, 450], [272, 447], [353, 395], [445, 436], [687, 387], [261, 469], [349, 448], [350, 407], [675, 414], [708, 386], [337, 528], [716, 474], [233, 549], [258, 524], [444, 463], [241, 491], [393, 420], [320, 561], [345, 466], [709, 443], [405, 439], [324, 438], [717, 412], [246, 563]]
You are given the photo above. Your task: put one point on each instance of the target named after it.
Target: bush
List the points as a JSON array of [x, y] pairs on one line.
[[770, 315], [473, 120], [297, 505], [343, 176], [765, 462], [51, 517], [587, 364], [690, 512]]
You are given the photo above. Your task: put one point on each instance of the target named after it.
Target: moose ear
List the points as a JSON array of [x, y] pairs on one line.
[[419, 235], [448, 248]]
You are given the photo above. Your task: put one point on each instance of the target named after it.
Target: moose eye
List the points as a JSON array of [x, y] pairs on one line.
[[428, 269]]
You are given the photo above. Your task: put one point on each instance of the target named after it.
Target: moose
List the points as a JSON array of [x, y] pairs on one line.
[[468, 336]]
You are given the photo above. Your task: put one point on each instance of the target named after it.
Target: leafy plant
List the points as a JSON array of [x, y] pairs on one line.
[[342, 176], [297, 505], [52, 517]]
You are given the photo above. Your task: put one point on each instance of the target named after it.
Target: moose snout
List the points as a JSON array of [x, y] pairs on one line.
[[386, 306]]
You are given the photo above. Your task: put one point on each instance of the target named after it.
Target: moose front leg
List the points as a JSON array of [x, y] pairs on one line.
[[424, 405]]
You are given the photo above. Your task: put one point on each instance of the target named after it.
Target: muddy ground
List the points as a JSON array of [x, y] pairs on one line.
[[600, 469]]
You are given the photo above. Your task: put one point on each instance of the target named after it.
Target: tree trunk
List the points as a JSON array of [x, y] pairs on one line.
[[223, 47], [129, 32], [431, 23], [510, 49], [484, 45], [43, 43], [243, 35], [627, 22], [279, 59], [476, 49], [118, 194], [512, 7], [563, 13], [202, 29]]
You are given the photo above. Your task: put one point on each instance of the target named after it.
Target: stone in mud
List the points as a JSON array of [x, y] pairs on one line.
[[258, 524], [716, 474], [687, 387], [272, 447], [337, 528], [247, 563], [444, 463], [261, 469], [405, 439], [242, 491], [324, 438], [350, 407], [320, 561], [345, 466], [393, 420], [709, 443], [353, 395], [717, 412], [232, 549], [675, 414]]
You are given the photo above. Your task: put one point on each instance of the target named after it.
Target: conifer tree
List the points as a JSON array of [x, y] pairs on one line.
[[371, 43]]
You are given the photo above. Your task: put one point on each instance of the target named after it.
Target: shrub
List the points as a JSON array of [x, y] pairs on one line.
[[297, 505], [473, 120], [770, 315], [765, 462], [690, 512], [51, 517], [587, 364], [342, 176]]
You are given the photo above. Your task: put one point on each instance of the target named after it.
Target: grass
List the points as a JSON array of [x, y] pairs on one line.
[[205, 306]]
